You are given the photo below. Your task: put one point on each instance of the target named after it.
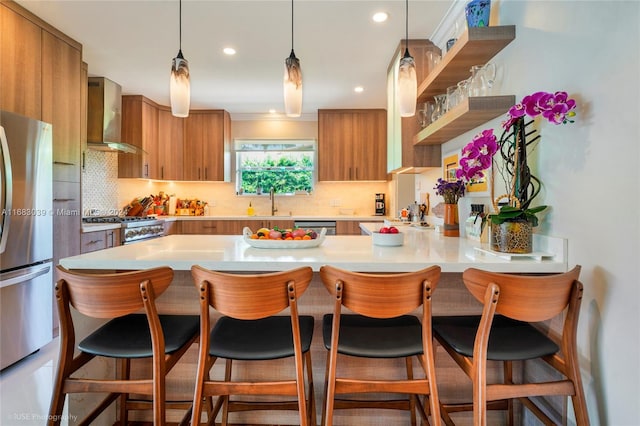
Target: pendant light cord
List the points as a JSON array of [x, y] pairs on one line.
[[406, 25], [180, 25], [291, 25]]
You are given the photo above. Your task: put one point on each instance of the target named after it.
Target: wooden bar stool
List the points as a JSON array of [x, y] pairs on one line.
[[381, 329], [250, 330], [126, 336], [504, 333]]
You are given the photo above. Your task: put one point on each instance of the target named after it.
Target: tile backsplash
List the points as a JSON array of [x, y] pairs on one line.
[[100, 184]]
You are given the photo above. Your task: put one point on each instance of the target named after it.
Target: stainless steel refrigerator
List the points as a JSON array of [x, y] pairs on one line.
[[26, 237]]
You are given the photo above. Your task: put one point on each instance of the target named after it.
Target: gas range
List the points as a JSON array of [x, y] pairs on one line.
[[134, 228]]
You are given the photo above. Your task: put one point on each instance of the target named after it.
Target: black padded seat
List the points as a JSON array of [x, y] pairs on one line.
[[262, 339], [129, 336], [509, 340], [362, 336]]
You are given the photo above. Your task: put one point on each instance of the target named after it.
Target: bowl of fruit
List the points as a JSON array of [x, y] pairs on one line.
[[388, 236], [277, 238]]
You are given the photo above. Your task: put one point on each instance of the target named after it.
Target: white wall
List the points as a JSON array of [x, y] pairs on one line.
[[589, 171]]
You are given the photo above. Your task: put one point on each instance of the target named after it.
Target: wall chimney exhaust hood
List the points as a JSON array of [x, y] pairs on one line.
[[104, 117]]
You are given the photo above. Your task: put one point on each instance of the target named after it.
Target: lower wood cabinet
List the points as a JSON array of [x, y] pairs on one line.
[[199, 227], [351, 227], [98, 240], [227, 227], [172, 227]]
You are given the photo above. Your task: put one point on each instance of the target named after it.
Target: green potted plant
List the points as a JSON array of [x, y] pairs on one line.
[[516, 139]]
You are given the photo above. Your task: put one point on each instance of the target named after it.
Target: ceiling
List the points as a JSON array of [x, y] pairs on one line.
[[337, 42]]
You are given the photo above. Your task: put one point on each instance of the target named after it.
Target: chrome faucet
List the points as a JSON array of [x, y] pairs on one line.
[[272, 197]]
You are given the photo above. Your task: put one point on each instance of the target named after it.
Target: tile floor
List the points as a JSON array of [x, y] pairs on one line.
[[25, 388]]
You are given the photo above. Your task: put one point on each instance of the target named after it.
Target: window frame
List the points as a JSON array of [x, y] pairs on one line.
[[244, 145]]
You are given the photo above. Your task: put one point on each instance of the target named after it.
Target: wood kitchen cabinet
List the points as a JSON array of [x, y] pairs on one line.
[[172, 227], [231, 227], [61, 104], [206, 145], [67, 225], [351, 227], [98, 240], [170, 145], [199, 227], [352, 145], [195, 148], [20, 63], [139, 128]]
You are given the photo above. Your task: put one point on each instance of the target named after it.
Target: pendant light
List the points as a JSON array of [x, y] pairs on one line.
[[180, 87], [407, 81], [292, 81]]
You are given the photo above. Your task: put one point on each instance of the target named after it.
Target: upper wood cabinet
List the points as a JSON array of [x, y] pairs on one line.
[[352, 145], [193, 148], [61, 104], [206, 146], [20, 63], [139, 128], [170, 145]]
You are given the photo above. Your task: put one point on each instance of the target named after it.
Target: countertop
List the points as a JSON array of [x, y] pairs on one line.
[[421, 248]]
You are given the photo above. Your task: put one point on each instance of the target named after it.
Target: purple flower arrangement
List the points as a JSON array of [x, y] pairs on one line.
[[477, 155], [452, 191], [556, 108]]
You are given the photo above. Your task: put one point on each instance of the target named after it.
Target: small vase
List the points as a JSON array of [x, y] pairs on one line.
[[451, 223], [477, 12], [512, 236]]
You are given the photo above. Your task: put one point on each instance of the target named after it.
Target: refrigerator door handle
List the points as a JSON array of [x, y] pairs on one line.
[[28, 276], [7, 192]]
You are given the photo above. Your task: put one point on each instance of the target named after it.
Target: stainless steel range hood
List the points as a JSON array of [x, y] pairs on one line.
[[104, 117]]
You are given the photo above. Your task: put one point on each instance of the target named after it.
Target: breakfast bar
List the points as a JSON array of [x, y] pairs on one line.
[[421, 248]]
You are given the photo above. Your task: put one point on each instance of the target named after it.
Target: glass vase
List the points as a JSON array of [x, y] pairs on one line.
[[512, 236], [478, 12], [451, 222]]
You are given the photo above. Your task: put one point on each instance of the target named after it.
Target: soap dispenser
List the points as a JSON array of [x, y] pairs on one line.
[[250, 210]]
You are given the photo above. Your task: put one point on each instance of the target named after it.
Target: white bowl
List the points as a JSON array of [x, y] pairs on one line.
[[389, 240]]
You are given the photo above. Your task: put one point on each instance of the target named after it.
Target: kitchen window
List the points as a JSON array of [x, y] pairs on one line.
[[286, 165]]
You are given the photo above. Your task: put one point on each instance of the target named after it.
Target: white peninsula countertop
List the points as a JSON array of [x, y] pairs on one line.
[[421, 248]]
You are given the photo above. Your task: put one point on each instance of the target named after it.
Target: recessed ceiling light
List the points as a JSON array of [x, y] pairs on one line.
[[380, 16], [272, 111], [229, 51], [358, 89]]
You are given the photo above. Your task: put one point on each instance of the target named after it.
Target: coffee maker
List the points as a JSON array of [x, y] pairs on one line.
[[380, 205]]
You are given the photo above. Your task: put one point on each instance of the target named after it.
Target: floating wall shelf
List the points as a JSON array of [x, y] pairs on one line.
[[475, 46], [468, 115]]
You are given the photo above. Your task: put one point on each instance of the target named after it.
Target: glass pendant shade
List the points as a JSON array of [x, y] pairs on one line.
[[407, 86], [180, 87], [292, 86]]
